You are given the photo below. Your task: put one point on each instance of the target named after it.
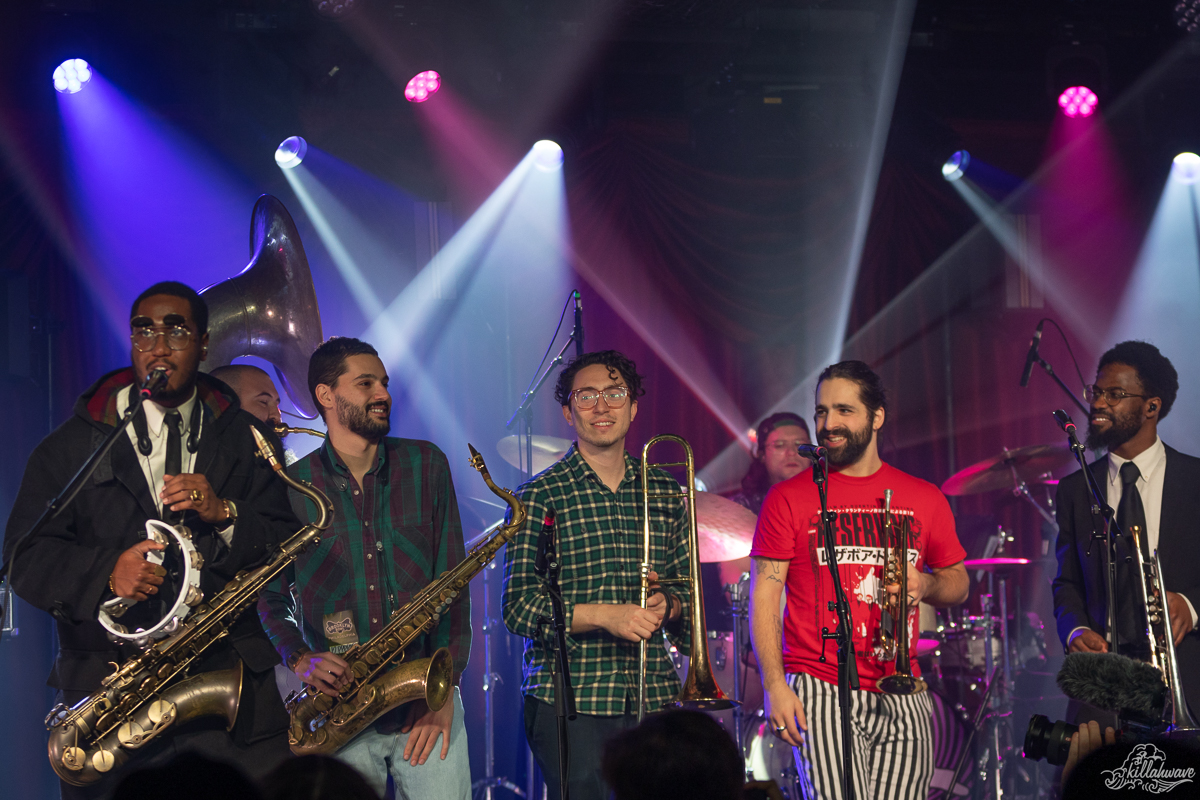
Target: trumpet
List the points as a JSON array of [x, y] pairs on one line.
[[700, 691], [895, 637], [1158, 631]]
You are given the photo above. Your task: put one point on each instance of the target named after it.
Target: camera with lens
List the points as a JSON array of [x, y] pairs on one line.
[[1052, 740]]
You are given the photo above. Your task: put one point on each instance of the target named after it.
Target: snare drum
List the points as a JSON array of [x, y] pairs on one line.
[[962, 649]]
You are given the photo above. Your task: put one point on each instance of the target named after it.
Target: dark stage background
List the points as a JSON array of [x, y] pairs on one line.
[[752, 190]]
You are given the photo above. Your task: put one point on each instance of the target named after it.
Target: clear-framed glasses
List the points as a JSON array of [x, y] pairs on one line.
[[144, 339], [614, 396], [1094, 393], [784, 446]]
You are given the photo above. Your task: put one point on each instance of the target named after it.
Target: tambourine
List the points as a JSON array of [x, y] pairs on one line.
[[188, 598]]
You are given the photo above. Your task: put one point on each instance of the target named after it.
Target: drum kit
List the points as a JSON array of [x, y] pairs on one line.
[[968, 660]]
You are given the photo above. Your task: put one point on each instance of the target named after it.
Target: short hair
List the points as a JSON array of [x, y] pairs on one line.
[[609, 358], [1154, 370], [756, 480], [675, 755], [328, 362], [177, 289], [232, 374], [870, 387]]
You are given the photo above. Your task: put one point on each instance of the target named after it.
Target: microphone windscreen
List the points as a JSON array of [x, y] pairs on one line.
[[1115, 683]]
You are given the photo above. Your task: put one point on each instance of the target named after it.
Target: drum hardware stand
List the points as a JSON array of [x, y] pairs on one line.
[[483, 787], [1021, 489], [739, 597]]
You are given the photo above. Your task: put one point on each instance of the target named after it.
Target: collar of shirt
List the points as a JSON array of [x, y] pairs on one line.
[[1149, 461], [156, 415], [583, 471], [335, 463]]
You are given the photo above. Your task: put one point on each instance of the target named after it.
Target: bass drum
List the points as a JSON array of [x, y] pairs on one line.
[[720, 659], [950, 726]]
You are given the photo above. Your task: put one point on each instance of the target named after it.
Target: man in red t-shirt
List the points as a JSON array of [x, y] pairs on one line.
[[893, 740]]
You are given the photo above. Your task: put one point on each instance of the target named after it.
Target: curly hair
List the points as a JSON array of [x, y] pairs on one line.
[[1154, 370], [870, 387], [618, 365]]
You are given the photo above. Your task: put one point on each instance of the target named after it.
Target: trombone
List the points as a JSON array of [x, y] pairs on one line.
[[700, 691]]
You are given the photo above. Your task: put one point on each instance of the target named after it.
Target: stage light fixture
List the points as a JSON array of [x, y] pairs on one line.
[[1185, 168], [422, 86], [956, 165], [547, 155], [291, 152], [71, 75], [1078, 101], [334, 9]]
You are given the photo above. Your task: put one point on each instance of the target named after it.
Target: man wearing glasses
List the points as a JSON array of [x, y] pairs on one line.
[[189, 458], [595, 493], [1150, 485]]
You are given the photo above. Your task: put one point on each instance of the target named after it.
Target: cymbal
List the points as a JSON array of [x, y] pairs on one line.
[[996, 564], [1029, 464], [725, 528], [546, 450]]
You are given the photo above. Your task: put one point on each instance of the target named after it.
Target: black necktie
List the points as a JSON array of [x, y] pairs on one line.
[[174, 464], [1131, 619]]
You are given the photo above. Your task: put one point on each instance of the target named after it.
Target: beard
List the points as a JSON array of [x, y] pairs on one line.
[[856, 444], [359, 421], [1123, 428]]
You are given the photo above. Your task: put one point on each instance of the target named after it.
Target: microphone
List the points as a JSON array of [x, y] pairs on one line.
[[1115, 683], [813, 452], [577, 334], [1032, 357], [545, 546], [1064, 421], [153, 383]]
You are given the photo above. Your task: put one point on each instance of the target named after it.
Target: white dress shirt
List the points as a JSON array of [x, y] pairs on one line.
[[154, 466], [1152, 464]]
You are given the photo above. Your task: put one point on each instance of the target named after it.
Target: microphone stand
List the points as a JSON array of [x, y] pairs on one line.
[[847, 660], [63, 499], [1108, 536], [564, 694], [1041, 362]]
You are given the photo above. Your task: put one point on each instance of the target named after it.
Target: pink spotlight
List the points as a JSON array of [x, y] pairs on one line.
[[422, 86], [1078, 101]]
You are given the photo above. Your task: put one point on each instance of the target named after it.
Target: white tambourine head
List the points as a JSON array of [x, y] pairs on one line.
[[188, 598]]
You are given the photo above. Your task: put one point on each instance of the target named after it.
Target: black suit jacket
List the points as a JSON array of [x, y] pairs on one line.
[[1079, 588], [65, 569]]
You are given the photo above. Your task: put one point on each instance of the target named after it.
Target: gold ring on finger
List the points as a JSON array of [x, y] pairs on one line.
[[197, 496]]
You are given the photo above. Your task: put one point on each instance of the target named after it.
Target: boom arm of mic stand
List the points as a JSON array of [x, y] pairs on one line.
[[527, 400], [1108, 535], [1050, 371]]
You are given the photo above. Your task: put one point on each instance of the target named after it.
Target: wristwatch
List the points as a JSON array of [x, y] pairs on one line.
[[230, 513], [295, 657]]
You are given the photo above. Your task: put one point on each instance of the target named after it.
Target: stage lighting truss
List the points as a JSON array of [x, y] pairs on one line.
[[1187, 14], [956, 165], [422, 86], [1185, 168], [71, 75], [291, 152], [1078, 101]]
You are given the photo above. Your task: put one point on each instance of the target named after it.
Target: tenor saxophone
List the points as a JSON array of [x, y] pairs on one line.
[[150, 692], [380, 678]]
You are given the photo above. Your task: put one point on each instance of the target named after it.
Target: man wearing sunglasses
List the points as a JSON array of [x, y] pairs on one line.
[[595, 494], [189, 457], [1149, 485]]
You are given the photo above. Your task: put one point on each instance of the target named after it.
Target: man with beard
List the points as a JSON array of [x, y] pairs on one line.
[[254, 388], [395, 528], [595, 493], [190, 456], [893, 741], [1150, 485]]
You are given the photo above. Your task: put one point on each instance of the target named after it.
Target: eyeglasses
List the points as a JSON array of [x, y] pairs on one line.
[[614, 397], [144, 339], [781, 446], [1096, 393]]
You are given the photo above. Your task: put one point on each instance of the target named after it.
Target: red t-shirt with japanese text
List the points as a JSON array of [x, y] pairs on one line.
[[788, 531]]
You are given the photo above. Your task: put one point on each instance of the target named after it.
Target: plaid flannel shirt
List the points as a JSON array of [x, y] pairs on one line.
[[389, 539], [599, 535]]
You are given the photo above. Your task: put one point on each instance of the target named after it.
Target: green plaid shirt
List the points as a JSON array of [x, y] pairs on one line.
[[599, 535]]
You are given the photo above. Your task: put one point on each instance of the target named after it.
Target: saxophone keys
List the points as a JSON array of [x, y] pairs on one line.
[[103, 761], [160, 710], [130, 734], [73, 757]]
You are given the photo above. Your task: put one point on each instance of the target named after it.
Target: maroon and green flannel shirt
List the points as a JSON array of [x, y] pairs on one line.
[[389, 538]]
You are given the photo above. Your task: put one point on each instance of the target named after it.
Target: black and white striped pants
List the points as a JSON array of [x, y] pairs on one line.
[[893, 743]]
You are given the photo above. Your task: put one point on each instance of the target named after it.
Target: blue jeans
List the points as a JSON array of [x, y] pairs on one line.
[[376, 755]]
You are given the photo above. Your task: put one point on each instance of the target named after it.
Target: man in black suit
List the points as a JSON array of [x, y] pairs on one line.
[[190, 452], [1150, 485]]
